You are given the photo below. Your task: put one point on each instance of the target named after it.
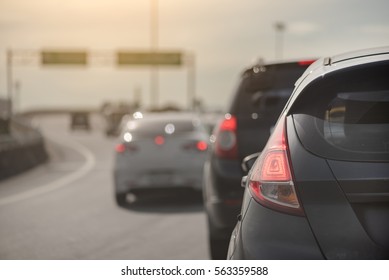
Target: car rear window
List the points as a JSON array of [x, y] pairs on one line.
[[345, 115], [265, 90], [153, 127]]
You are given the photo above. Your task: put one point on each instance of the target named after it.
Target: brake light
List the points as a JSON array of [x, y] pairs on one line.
[[202, 146], [122, 147], [226, 143], [270, 180], [306, 62], [229, 123], [198, 146], [159, 140]]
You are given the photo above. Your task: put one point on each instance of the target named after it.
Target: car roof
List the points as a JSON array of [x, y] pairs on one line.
[[329, 64], [359, 54], [262, 63], [167, 116]]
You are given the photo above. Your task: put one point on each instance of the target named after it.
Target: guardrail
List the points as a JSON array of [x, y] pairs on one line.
[[21, 149]]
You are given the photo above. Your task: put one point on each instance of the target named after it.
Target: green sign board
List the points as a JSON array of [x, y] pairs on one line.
[[124, 58], [64, 57]]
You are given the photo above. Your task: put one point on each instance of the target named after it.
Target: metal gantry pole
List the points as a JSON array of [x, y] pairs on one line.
[[9, 80], [280, 27], [191, 82], [154, 77]]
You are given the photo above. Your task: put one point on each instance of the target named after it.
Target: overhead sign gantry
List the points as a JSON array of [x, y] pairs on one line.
[[148, 58], [55, 57], [121, 58]]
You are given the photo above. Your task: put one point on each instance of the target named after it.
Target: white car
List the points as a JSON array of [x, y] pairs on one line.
[[159, 151]]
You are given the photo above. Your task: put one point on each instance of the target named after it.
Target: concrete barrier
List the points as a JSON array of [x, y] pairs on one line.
[[22, 149]]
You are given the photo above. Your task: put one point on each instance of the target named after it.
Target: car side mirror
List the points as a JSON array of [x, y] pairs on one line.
[[248, 162]]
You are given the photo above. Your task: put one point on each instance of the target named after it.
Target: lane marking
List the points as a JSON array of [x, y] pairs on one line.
[[90, 162]]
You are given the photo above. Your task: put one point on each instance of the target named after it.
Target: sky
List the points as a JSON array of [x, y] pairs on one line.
[[223, 36]]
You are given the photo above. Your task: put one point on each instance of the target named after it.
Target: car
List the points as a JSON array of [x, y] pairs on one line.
[[79, 120], [159, 152], [113, 121], [209, 120], [261, 94], [320, 187]]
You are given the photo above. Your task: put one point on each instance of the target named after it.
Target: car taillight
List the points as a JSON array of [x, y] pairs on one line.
[[121, 148], [198, 146], [202, 146], [306, 62], [270, 180], [159, 140], [225, 142]]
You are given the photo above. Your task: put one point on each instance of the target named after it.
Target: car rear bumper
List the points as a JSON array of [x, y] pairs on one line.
[[268, 234], [127, 182]]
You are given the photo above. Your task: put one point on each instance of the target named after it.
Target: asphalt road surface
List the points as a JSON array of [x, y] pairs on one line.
[[65, 209]]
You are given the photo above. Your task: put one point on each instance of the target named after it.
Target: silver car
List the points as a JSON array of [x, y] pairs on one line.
[[159, 151]]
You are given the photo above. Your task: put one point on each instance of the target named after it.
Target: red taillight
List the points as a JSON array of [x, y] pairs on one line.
[[202, 146], [270, 180], [306, 62], [120, 148], [275, 167], [229, 123], [197, 146], [159, 140], [226, 143]]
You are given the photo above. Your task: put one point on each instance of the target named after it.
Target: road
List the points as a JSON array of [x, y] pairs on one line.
[[65, 209]]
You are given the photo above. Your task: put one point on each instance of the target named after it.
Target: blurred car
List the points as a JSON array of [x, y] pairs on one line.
[[113, 121], [320, 188], [262, 93], [209, 120], [160, 151], [79, 120]]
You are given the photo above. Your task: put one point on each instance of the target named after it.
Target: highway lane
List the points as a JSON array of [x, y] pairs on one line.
[[65, 209]]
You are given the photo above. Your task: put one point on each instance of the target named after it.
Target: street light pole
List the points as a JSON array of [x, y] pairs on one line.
[[154, 81], [190, 62], [9, 80], [280, 27], [16, 98]]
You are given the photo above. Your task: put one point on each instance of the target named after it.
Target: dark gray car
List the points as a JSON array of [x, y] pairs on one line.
[[320, 188], [259, 99]]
